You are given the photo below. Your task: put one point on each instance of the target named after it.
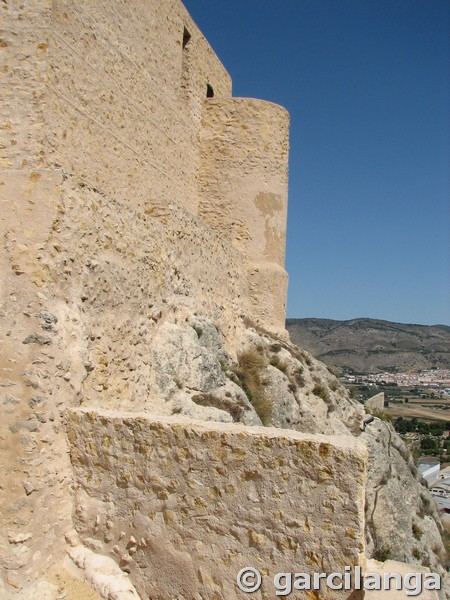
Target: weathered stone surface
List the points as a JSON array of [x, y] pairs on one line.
[[10, 400], [407, 531], [298, 391], [206, 499], [136, 287], [392, 566], [255, 184], [104, 575], [37, 338], [101, 240]]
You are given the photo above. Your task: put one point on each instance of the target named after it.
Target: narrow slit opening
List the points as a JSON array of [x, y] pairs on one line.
[[186, 38]]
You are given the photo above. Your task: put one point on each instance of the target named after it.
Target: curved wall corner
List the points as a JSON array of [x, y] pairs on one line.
[[243, 181], [244, 145]]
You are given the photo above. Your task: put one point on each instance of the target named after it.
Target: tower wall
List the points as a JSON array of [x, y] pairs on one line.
[[243, 182], [103, 229], [125, 98]]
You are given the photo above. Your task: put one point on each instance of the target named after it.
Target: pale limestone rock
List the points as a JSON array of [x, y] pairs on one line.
[[104, 575], [402, 521], [209, 497], [19, 538], [42, 590], [72, 538], [182, 360], [301, 392], [392, 566], [135, 249]]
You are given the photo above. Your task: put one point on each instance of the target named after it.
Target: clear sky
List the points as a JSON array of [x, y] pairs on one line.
[[367, 85]]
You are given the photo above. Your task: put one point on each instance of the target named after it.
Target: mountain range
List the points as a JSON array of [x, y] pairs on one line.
[[371, 345]]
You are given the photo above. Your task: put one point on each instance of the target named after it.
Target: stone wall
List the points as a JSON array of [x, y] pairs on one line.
[[376, 401], [184, 505], [243, 175], [142, 227], [243, 193], [35, 466], [125, 98], [102, 237]]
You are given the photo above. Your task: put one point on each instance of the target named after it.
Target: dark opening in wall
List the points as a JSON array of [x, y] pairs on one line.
[[209, 91], [186, 37]]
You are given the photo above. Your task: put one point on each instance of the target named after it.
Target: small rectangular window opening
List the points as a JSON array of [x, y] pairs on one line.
[[186, 37], [209, 91]]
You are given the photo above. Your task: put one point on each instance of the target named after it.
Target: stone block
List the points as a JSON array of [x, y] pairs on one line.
[[207, 499]]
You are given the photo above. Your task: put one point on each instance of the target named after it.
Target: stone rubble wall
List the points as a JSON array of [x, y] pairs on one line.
[[96, 247], [100, 239], [101, 242], [243, 193], [125, 99], [122, 269], [82, 305], [243, 174], [183, 505], [35, 503]]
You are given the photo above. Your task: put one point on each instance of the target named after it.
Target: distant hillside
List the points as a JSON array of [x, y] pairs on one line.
[[370, 345]]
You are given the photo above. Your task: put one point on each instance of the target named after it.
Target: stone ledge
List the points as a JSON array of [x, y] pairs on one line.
[[183, 505], [392, 566]]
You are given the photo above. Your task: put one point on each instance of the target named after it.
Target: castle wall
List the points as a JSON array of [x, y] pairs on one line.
[[184, 505], [125, 98], [140, 219], [243, 175], [35, 467], [101, 110], [243, 183], [268, 284]]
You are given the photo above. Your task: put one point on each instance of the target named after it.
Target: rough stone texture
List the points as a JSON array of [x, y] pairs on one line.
[[184, 505], [243, 172], [126, 99], [301, 392], [34, 494], [121, 289], [105, 576], [407, 531], [392, 566], [101, 242], [244, 149]]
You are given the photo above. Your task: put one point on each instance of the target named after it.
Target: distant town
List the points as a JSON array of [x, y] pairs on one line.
[[431, 378], [418, 404]]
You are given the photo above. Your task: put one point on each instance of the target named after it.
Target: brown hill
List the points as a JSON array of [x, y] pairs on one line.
[[371, 345]]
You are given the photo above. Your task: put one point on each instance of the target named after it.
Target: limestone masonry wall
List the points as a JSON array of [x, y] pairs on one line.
[[142, 240], [34, 485], [243, 175], [184, 505], [125, 98], [243, 192], [127, 112], [102, 107]]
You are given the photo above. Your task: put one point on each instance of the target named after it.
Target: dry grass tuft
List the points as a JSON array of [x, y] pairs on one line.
[[251, 365], [279, 363], [321, 391]]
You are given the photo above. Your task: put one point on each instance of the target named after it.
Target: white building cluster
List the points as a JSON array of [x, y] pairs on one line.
[[439, 482]]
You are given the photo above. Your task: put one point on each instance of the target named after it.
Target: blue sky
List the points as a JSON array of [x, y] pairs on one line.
[[366, 83]]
